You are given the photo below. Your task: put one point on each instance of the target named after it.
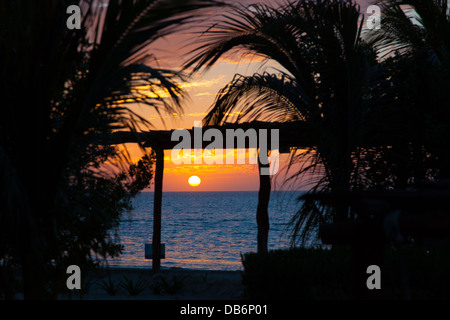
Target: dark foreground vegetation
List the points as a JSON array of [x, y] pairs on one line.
[[408, 272]]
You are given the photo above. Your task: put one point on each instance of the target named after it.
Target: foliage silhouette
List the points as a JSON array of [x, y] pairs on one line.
[[328, 81], [133, 288], [61, 191]]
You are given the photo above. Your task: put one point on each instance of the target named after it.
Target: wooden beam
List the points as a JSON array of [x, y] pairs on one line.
[[290, 135]]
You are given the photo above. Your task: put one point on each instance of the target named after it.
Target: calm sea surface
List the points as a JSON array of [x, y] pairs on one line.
[[203, 230]]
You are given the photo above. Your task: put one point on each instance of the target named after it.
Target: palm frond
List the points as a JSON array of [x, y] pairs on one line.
[[412, 27], [259, 97], [259, 29], [118, 60]]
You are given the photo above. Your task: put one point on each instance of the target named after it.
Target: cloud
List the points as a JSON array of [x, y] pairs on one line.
[[242, 58], [209, 170], [204, 83], [196, 114], [144, 92]]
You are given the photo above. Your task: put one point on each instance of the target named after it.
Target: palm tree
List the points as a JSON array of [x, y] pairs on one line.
[[414, 45], [327, 83], [59, 89]]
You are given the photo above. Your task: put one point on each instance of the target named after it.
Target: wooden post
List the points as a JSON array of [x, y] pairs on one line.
[[262, 212], [156, 262]]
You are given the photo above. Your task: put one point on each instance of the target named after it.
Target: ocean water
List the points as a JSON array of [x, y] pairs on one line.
[[203, 230]]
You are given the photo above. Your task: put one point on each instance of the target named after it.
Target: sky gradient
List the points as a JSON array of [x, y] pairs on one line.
[[201, 89]]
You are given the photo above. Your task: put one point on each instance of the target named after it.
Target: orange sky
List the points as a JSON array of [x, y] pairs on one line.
[[201, 89]]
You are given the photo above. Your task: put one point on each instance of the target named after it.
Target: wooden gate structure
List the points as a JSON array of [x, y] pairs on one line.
[[159, 140]]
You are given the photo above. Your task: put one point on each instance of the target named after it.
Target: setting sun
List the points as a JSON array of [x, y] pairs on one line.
[[194, 181]]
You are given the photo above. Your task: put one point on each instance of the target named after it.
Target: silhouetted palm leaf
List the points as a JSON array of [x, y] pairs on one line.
[[259, 98], [413, 27]]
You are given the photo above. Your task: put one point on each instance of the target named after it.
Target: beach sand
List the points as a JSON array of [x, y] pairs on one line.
[[169, 284]]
